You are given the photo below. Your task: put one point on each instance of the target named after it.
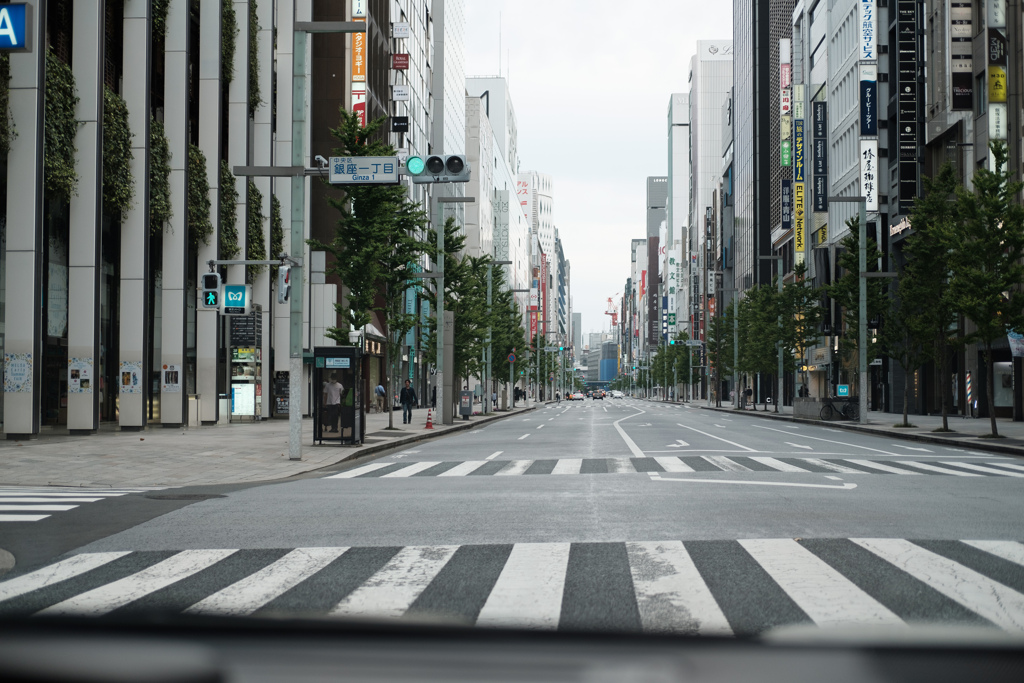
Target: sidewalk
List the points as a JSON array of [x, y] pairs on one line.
[[965, 434], [197, 456]]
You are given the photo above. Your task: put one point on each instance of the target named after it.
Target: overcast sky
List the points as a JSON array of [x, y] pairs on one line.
[[590, 82]]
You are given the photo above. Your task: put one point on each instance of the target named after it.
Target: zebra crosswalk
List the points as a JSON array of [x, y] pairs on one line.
[[726, 587], [702, 463], [35, 503]]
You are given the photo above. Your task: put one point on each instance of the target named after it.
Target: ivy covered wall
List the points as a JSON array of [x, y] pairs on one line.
[[199, 226], [159, 177], [228, 218], [118, 184], [59, 177]]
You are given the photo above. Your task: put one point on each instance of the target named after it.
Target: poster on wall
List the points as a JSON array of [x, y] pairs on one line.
[[17, 372], [130, 377], [170, 379], [79, 375]]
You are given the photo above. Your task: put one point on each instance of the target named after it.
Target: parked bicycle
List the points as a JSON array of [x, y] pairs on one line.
[[848, 409]]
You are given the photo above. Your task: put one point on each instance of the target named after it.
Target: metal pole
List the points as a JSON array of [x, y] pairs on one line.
[[439, 269], [298, 192], [862, 322], [735, 348], [487, 351]]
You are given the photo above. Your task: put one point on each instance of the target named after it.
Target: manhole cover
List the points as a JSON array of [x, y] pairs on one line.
[[183, 496]]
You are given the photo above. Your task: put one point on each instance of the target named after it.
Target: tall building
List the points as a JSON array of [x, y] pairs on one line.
[[758, 26], [677, 211], [577, 333], [535, 191], [657, 202]]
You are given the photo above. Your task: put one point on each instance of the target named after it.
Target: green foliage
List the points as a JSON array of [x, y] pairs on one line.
[[199, 226], [7, 132], [160, 17], [61, 127], [255, 242], [254, 62], [229, 248], [985, 265], [720, 347], [276, 227], [802, 315], [229, 34], [507, 331], [159, 177], [118, 184]]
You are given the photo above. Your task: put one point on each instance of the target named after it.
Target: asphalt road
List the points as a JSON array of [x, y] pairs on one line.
[[614, 514]]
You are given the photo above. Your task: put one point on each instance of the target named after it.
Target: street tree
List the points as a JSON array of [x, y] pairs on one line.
[[720, 348], [986, 250], [759, 331], [507, 333], [375, 247], [802, 315]]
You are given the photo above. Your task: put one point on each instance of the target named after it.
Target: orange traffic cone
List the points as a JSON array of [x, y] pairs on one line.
[[430, 423]]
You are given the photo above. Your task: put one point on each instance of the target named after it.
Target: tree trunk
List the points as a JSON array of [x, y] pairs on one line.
[[989, 390], [387, 383], [906, 396], [944, 373]]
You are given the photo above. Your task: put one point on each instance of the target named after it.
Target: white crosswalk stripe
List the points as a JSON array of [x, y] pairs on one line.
[[881, 466], [514, 467], [463, 468], [725, 463], [365, 469], [568, 466], [410, 469], [831, 466], [778, 464], [620, 466], [677, 585], [982, 468], [672, 464], [35, 503], [934, 468]]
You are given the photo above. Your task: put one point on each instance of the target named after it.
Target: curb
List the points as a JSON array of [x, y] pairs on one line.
[[379, 447], [909, 436]]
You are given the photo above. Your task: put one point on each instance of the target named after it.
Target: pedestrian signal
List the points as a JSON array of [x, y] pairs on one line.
[[211, 290]]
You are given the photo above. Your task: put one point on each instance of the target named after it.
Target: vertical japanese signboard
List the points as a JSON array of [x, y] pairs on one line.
[[869, 173], [799, 229], [786, 195], [868, 99], [819, 116], [798, 151], [868, 28], [358, 71], [996, 49], [961, 71], [908, 102]]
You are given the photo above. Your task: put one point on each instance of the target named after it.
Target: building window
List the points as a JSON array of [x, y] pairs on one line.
[[980, 94]]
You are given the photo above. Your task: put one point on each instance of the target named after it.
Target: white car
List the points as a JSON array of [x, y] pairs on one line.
[[617, 394]]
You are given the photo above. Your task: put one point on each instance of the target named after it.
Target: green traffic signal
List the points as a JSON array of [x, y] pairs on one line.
[[415, 165], [211, 299]]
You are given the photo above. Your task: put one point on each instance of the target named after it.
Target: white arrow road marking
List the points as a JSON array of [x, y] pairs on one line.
[[679, 444], [731, 443], [634, 449], [797, 445], [912, 448], [656, 476]]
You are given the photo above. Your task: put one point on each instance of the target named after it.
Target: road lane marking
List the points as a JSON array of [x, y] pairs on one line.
[[992, 600], [982, 468], [514, 468], [673, 464], [522, 437], [671, 595], [678, 444], [825, 595], [411, 469], [360, 470], [798, 445], [656, 476], [633, 448], [725, 463], [109, 597], [55, 573], [880, 466], [778, 464], [494, 455], [392, 590], [1007, 464], [568, 466], [1008, 550], [912, 448], [31, 507], [829, 465], [256, 590], [833, 477], [464, 468], [933, 468], [818, 438], [22, 518], [528, 593], [540, 426], [731, 443]]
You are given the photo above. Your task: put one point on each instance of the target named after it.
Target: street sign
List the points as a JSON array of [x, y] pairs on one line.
[[237, 299], [364, 171], [14, 25], [843, 390], [511, 358], [693, 342]]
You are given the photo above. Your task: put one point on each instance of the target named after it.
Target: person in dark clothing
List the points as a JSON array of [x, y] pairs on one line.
[[407, 398], [433, 398]]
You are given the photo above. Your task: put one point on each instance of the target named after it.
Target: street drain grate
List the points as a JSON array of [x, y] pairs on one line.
[[183, 496]]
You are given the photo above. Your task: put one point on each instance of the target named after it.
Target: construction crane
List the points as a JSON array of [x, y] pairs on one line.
[[612, 311]]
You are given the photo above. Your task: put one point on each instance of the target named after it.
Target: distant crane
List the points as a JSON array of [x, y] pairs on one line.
[[612, 311]]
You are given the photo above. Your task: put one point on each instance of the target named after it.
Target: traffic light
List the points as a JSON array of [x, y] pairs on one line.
[[211, 290], [284, 283], [447, 168], [671, 342]]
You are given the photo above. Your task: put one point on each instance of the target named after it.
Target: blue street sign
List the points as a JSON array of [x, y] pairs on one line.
[[843, 390], [511, 358], [14, 27], [236, 299]]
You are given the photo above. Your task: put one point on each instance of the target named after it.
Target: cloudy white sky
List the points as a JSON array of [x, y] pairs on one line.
[[590, 83]]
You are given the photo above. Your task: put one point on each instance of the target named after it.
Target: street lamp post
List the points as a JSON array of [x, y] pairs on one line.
[[778, 272], [488, 350]]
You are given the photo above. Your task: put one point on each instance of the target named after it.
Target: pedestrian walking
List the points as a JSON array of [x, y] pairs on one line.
[[407, 398], [379, 391], [433, 398], [333, 390], [494, 399]]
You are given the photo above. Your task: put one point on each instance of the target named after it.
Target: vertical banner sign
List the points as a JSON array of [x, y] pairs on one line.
[[500, 209], [785, 153], [359, 67], [869, 173], [997, 63], [908, 101], [544, 295], [868, 99], [961, 68], [785, 101], [868, 26], [798, 151], [799, 229], [819, 116], [798, 101], [786, 127], [786, 194]]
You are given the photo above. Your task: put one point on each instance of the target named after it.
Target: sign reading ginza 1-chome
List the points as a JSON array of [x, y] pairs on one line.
[[364, 170]]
